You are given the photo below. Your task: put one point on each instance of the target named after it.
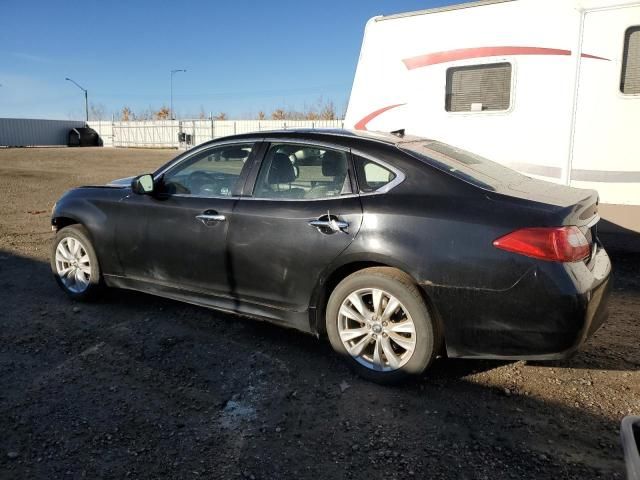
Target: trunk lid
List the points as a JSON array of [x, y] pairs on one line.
[[575, 206]]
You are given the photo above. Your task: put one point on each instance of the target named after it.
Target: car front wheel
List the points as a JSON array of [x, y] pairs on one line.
[[74, 263], [377, 319]]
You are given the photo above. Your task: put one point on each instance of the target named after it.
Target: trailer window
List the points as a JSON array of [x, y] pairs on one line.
[[630, 81], [479, 88]]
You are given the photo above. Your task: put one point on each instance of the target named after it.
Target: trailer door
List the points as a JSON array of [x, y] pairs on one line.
[[606, 136]]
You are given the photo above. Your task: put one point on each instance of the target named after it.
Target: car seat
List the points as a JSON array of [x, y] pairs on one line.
[[334, 164], [282, 171]]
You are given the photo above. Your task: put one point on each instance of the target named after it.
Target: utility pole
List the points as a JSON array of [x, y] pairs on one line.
[[171, 105], [86, 98]]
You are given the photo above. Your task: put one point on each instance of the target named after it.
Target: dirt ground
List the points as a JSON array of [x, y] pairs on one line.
[[136, 386]]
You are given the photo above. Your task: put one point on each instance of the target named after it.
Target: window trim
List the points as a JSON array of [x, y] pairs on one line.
[[242, 179], [512, 87], [252, 179], [399, 175], [267, 141], [622, 63]]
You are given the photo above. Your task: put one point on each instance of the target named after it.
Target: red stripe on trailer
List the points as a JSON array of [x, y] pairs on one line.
[[467, 53], [586, 55], [362, 124]]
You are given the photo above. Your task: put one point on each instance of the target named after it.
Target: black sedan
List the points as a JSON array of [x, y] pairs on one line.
[[397, 248]]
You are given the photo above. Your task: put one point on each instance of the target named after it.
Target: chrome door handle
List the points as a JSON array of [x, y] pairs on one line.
[[210, 220], [333, 225]]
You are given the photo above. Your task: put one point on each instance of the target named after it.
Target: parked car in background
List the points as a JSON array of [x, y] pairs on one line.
[[396, 248]]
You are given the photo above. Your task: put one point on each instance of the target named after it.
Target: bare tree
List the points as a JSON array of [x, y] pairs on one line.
[[221, 116], [97, 111], [319, 111], [261, 115], [328, 111], [146, 114], [162, 114], [126, 115], [279, 114]]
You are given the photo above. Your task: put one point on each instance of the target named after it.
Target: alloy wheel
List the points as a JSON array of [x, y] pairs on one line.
[[376, 329], [73, 265]]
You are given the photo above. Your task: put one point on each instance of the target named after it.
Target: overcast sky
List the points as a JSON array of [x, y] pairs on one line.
[[241, 57]]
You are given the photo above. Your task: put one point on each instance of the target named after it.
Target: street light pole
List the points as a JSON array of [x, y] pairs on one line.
[[171, 105], [86, 98]]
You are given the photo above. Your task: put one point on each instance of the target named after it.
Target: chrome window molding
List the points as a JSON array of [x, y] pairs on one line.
[[202, 148], [400, 176], [312, 143], [325, 199], [220, 197]]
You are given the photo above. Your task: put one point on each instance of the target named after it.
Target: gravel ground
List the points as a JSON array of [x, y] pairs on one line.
[[136, 386]]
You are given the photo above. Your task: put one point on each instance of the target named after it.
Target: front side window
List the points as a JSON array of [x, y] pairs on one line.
[[303, 172], [630, 81], [210, 173], [478, 88], [371, 175]]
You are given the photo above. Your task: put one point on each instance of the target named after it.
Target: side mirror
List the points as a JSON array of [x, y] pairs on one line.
[[630, 433], [142, 184]]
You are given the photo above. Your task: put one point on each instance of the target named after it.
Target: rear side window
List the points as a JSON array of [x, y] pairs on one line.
[[479, 88], [371, 175], [630, 80]]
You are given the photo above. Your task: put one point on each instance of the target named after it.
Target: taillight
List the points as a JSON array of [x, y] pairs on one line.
[[556, 244]]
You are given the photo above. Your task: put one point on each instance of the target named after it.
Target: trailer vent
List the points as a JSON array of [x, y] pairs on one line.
[[630, 81], [479, 88]]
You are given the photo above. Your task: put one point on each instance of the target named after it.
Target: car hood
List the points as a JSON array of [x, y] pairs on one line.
[[120, 182]]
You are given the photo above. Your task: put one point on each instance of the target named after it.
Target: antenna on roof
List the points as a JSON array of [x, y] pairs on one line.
[[398, 133]]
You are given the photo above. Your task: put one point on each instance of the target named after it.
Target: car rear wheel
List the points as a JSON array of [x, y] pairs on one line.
[[74, 263], [377, 319]]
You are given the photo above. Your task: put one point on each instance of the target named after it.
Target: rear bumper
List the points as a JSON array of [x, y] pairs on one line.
[[548, 314]]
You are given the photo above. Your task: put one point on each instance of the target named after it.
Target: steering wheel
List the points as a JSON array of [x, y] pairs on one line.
[[200, 182]]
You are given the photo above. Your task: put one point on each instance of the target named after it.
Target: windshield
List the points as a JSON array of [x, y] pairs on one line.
[[465, 165]]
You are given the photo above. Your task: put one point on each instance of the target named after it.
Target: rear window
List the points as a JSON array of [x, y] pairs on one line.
[[465, 165]]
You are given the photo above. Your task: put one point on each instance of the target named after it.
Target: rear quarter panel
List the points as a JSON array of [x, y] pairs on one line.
[[440, 230]]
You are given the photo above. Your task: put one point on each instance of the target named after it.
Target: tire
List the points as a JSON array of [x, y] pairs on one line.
[[374, 330], [73, 252]]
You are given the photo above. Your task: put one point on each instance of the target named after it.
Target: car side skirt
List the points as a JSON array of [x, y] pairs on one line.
[[286, 318]]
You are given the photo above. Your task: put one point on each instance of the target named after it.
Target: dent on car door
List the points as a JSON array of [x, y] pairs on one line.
[[302, 214], [177, 237]]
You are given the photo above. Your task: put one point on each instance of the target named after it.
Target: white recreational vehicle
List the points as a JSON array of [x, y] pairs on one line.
[[548, 87]]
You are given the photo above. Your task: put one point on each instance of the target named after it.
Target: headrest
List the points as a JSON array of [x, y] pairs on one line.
[[333, 164], [281, 170]]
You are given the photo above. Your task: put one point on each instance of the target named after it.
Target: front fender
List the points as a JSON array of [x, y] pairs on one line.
[[96, 209]]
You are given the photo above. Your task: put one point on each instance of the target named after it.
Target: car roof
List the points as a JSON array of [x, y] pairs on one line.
[[342, 136]]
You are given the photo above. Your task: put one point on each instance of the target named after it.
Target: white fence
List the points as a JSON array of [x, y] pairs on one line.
[[166, 133]]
